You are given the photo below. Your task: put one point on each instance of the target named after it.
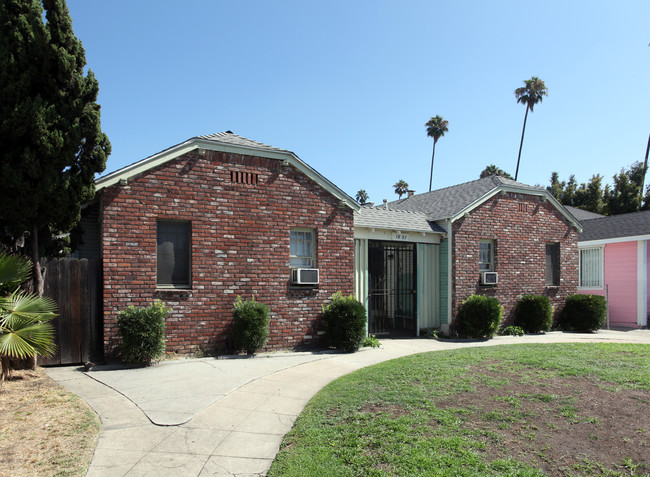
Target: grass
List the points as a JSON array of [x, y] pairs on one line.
[[44, 429], [526, 410]]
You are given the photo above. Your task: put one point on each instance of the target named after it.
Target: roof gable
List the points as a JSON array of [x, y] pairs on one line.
[[452, 202], [231, 143]]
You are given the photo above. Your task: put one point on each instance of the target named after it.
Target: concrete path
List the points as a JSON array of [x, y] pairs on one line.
[[225, 417]]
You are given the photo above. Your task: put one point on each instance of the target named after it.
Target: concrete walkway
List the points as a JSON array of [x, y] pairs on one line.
[[225, 417]]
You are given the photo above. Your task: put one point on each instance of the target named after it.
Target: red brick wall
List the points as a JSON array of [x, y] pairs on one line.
[[521, 226], [240, 246]]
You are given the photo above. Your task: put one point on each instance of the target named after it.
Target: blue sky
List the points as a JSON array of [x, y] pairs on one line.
[[348, 86]]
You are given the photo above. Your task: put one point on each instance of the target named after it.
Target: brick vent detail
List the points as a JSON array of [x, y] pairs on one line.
[[521, 225], [240, 246]]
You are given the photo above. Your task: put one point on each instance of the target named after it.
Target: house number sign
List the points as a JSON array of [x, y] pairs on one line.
[[401, 237]]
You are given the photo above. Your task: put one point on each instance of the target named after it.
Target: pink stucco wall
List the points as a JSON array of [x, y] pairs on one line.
[[621, 281]]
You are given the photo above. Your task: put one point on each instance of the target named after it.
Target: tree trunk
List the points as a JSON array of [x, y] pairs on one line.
[[39, 287], [433, 154], [645, 170], [521, 143]]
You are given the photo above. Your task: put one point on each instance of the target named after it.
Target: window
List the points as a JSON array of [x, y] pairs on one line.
[[591, 268], [302, 249], [173, 254], [486, 256], [552, 264]]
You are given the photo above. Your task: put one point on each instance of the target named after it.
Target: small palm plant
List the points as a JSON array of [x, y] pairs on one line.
[[25, 331]]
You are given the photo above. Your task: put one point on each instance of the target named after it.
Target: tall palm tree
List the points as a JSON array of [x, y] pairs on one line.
[[436, 128], [401, 188], [493, 170], [532, 93], [362, 196]]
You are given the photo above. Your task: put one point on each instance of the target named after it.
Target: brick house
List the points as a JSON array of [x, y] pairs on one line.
[[212, 218], [418, 258]]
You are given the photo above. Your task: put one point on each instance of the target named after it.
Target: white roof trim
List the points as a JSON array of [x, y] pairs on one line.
[[594, 243], [211, 145], [519, 190]]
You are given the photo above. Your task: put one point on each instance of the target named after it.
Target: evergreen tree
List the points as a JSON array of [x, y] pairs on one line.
[[51, 143]]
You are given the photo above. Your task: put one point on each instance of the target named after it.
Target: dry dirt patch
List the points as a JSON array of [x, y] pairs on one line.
[[564, 426], [44, 430]]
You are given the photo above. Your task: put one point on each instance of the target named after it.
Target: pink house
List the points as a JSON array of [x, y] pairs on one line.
[[614, 263]]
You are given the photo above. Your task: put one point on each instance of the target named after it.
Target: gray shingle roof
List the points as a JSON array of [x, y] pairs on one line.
[[235, 140], [616, 226], [447, 202], [405, 220], [582, 214]]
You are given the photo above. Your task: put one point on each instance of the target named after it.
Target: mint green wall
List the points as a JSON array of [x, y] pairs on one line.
[[444, 280]]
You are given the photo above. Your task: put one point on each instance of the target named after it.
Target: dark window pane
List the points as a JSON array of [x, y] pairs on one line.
[[553, 264], [173, 253]]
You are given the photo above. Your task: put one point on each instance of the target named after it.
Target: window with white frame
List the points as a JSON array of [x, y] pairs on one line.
[[302, 248], [486, 256], [591, 267]]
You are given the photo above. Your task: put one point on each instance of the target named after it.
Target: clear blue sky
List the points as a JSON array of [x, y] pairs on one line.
[[348, 86]]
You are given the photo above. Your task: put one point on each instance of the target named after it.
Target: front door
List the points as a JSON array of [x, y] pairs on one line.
[[392, 303]]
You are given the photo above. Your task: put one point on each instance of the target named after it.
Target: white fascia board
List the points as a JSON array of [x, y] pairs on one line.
[[197, 143], [518, 190], [594, 243], [391, 235]]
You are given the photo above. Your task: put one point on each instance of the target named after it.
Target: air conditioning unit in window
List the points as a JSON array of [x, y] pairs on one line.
[[304, 276], [489, 278]]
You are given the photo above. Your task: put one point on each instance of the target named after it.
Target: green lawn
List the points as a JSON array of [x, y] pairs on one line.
[[563, 409]]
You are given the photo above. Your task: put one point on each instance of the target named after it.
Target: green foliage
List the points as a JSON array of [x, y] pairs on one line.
[[142, 331], [345, 322], [401, 188], [51, 143], [371, 342], [534, 313], [431, 333], [493, 170], [24, 328], [513, 331], [480, 316], [251, 325], [622, 197], [584, 313], [362, 196]]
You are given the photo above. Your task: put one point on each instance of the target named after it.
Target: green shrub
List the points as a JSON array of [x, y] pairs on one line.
[[143, 332], [583, 313], [513, 331], [251, 325], [345, 322], [480, 316], [371, 342], [533, 313]]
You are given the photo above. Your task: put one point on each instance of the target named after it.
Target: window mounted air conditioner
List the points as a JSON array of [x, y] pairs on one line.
[[304, 276], [489, 278]]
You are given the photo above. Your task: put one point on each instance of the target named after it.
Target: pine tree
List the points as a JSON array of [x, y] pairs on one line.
[[51, 143]]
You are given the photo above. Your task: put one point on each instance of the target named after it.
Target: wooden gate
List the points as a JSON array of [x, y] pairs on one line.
[[74, 285]]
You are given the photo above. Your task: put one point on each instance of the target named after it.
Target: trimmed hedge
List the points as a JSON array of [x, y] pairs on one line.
[[480, 316], [534, 313], [143, 333], [345, 322], [585, 313], [251, 325]]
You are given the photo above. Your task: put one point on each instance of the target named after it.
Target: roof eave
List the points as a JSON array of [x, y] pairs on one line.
[[211, 145]]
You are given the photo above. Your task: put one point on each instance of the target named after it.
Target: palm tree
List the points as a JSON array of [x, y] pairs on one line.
[[401, 188], [530, 95], [362, 196], [493, 170], [436, 128], [24, 328]]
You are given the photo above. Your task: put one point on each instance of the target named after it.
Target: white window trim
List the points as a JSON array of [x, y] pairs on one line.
[[313, 246], [492, 254], [601, 249]]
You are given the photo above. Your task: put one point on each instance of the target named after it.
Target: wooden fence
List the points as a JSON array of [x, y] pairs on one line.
[[75, 286]]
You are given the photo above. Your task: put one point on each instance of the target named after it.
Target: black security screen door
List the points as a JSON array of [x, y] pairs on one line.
[[393, 299]]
